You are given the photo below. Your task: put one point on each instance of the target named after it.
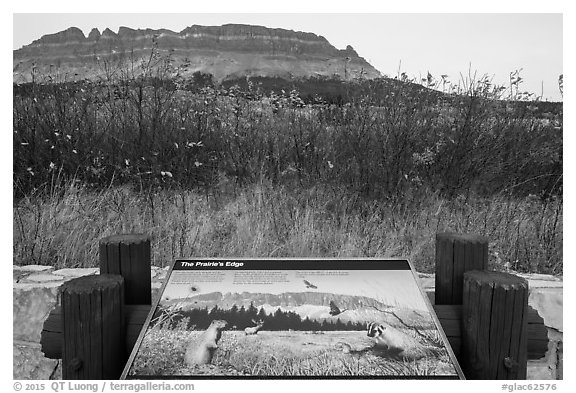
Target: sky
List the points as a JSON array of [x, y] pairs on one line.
[[442, 43]]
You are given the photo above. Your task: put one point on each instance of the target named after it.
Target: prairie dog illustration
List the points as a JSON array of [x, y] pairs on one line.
[[201, 350], [253, 330], [392, 340]]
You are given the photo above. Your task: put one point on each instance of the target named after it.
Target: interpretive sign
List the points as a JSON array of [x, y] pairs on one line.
[[285, 318]]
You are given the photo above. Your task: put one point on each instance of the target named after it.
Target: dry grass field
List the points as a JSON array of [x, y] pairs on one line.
[[282, 353], [63, 230]]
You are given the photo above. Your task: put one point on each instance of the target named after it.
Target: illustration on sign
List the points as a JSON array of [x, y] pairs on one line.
[[242, 318]]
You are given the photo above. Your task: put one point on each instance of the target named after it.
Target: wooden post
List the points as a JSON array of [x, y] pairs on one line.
[[494, 338], [129, 256], [456, 254], [93, 331], [52, 340]]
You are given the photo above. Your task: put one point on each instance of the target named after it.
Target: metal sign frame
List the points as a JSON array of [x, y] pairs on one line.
[[294, 264]]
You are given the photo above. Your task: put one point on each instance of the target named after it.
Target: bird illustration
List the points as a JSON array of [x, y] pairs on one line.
[[334, 310], [310, 285]]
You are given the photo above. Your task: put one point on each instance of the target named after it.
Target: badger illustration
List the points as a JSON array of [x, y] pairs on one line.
[[393, 342]]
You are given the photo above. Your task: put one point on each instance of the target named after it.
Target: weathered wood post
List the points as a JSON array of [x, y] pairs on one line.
[[93, 331], [129, 256], [456, 254], [494, 338]]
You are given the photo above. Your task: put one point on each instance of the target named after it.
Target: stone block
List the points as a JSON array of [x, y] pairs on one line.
[[536, 280], [32, 304], [36, 268], [29, 363], [74, 273], [549, 304], [18, 275], [41, 277], [427, 283], [158, 273], [156, 286], [538, 370]]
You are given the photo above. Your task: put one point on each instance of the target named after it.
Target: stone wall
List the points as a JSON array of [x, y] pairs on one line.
[[35, 294]]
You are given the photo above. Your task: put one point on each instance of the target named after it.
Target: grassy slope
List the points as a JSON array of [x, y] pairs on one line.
[[280, 353]]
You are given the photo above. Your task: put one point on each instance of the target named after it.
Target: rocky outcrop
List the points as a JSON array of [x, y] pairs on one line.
[[286, 299], [226, 51], [72, 35], [94, 35]]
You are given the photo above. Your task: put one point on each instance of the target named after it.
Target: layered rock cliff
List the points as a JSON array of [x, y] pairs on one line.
[[227, 51]]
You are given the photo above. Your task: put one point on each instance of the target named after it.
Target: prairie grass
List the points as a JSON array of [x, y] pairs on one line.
[[62, 229], [162, 353]]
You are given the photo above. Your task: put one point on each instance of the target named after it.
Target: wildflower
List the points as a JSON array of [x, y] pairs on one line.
[[197, 164], [166, 173], [52, 165], [192, 144]]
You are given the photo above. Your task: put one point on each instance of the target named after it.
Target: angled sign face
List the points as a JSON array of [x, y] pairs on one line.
[[291, 318]]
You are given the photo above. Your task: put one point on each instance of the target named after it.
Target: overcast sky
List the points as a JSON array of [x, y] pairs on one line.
[[452, 44]]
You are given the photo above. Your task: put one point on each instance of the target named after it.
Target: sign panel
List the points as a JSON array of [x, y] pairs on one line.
[[292, 318]]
